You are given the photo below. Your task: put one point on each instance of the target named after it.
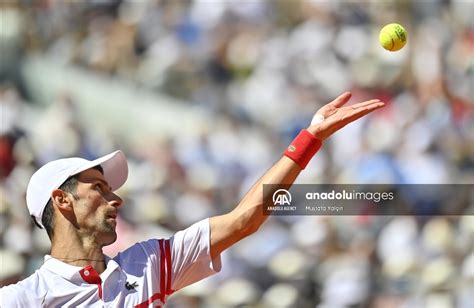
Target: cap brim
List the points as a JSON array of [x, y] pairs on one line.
[[115, 168]]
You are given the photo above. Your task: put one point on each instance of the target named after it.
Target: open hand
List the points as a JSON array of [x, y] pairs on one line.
[[334, 116]]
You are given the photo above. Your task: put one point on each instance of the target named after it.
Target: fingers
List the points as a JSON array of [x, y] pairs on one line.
[[348, 115], [364, 104], [341, 100], [364, 110]]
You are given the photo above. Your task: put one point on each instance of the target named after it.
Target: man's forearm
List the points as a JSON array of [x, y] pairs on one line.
[[248, 216], [250, 209]]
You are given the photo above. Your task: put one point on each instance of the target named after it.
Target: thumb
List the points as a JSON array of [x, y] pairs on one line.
[[341, 100]]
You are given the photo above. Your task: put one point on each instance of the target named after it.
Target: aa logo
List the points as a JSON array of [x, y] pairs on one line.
[[281, 197]]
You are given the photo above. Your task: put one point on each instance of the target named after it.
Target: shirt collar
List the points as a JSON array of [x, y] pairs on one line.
[[71, 272], [67, 271]]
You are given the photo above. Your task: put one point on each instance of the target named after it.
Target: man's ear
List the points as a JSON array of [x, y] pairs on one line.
[[62, 200]]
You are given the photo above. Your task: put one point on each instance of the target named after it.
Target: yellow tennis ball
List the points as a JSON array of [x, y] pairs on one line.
[[393, 37]]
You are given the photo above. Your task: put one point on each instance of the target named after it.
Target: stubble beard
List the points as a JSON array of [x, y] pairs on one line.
[[108, 231]]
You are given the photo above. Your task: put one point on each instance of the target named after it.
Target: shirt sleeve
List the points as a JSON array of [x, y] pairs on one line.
[[171, 264], [191, 255]]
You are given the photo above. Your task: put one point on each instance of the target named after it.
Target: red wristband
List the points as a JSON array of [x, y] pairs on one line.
[[303, 148]]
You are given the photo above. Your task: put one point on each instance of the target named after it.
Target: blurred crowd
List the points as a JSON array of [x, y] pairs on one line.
[[260, 69]]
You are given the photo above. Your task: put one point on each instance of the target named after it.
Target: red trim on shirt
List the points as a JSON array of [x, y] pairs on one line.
[[148, 302], [90, 275], [162, 270], [165, 275], [100, 290], [169, 291]]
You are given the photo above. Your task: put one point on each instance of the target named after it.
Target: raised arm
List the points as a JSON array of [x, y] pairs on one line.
[[248, 216]]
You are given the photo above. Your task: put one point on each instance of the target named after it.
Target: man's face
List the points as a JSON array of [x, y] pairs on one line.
[[96, 207]]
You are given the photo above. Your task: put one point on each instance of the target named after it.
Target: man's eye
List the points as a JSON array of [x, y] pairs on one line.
[[97, 186]]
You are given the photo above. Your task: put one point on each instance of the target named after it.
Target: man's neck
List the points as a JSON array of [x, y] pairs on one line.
[[78, 251]]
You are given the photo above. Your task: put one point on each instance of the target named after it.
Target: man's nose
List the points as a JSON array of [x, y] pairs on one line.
[[115, 200]]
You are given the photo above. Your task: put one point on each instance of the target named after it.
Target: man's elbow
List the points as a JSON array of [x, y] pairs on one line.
[[248, 226], [226, 230]]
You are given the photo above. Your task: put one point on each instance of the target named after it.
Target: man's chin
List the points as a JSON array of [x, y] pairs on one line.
[[109, 234], [110, 238]]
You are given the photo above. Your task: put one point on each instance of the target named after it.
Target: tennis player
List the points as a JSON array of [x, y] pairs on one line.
[[73, 199]]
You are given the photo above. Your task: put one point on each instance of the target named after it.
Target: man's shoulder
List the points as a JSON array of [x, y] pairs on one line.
[[189, 238], [24, 292], [142, 250], [138, 252]]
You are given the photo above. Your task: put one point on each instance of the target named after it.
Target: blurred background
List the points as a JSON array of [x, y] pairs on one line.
[[203, 96]]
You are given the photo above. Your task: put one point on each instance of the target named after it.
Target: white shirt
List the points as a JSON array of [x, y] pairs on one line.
[[142, 276]]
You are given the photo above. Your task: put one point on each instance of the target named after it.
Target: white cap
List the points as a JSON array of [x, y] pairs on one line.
[[55, 173]]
